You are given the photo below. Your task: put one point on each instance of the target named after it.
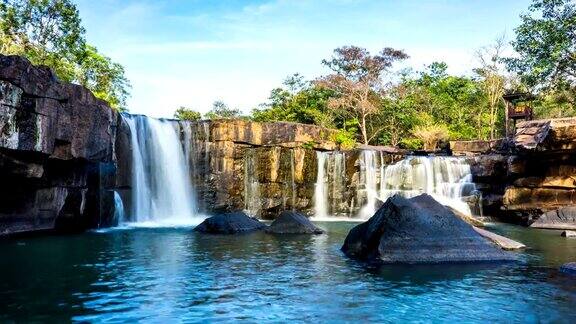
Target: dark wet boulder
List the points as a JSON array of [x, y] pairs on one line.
[[569, 268], [293, 222], [419, 230], [230, 223]]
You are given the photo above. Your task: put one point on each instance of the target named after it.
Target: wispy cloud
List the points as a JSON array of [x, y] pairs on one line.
[[194, 52]]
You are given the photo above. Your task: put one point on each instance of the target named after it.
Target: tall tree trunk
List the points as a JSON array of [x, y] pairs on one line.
[[363, 129]]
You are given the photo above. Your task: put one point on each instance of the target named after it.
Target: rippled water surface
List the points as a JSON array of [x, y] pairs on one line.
[[168, 274]]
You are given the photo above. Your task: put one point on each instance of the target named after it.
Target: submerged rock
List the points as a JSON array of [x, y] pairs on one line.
[[568, 234], [292, 222], [419, 230], [569, 268], [230, 223]]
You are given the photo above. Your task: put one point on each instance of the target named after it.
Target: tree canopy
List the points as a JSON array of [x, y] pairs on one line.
[[546, 46], [50, 33], [184, 113]]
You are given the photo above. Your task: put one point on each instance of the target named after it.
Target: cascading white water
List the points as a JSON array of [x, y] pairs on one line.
[[447, 179], [368, 177], [118, 209], [161, 187], [320, 190], [252, 200]]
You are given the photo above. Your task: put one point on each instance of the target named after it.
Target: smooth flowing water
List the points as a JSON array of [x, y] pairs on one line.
[[162, 189], [119, 215], [447, 179], [320, 188], [176, 275]]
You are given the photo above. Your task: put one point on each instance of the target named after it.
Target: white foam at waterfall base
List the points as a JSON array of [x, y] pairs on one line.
[[162, 193]]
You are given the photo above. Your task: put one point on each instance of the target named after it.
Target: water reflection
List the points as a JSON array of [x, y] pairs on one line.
[[162, 275]]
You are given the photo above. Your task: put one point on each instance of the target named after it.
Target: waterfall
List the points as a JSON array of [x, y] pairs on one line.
[[292, 180], [368, 178], [447, 179], [338, 182], [252, 201], [118, 209], [320, 190], [161, 187]]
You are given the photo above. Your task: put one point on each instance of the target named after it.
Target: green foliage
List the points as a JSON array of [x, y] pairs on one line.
[[411, 143], [299, 102], [50, 33], [431, 135], [184, 113], [546, 44], [345, 139], [308, 145], [221, 111]]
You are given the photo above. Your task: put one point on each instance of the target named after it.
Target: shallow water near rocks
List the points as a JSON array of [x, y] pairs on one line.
[[168, 274]]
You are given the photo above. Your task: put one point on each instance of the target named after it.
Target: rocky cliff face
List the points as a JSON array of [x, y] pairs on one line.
[[56, 151], [262, 167], [531, 176], [543, 171]]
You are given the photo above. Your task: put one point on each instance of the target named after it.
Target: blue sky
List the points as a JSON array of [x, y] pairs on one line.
[[191, 53]]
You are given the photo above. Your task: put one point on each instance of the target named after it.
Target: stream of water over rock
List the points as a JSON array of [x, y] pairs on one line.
[[447, 179], [162, 191]]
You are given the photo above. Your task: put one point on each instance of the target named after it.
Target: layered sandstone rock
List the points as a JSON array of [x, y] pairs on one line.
[[542, 173], [56, 151]]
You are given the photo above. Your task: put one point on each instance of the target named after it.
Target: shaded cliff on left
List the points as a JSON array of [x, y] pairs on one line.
[[57, 146]]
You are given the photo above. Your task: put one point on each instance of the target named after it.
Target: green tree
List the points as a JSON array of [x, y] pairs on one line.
[[358, 85], [298, 101], [184, 113], [50, 33], [546, 45], [493, 82], [221, 111]]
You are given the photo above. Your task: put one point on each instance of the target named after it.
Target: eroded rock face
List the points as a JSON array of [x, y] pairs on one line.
[[56, 151], [230, 223], [293, 222], [419, 230]]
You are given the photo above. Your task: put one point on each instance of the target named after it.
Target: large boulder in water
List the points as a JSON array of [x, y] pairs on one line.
[[230, 223], [292, 222], [419, 230]]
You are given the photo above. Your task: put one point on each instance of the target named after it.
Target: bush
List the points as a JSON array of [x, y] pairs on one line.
[[344, 139], [431, 135]]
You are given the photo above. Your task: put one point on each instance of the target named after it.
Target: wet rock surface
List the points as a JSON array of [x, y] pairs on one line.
[[569, 268], [230, 223], [56, 152], [419, 230], [562, 218], [293, 222]]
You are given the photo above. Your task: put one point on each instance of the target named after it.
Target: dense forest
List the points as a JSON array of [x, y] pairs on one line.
[[366, 96]]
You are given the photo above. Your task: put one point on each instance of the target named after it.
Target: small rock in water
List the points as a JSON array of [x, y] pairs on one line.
[[569, 268], [419, 230], [292, 222], [569, 234], [230, 223]]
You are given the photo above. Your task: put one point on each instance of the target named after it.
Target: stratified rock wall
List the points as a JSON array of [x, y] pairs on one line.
[[265, 168], [56, 151]]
